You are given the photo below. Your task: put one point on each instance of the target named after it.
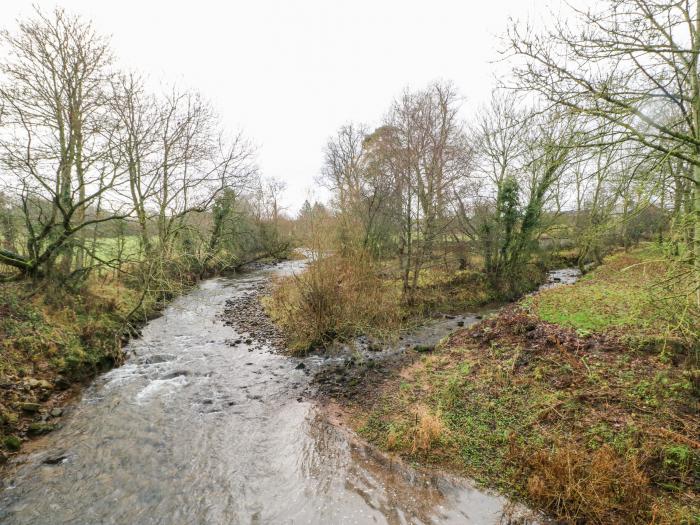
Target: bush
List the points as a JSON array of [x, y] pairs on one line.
[[337, 297], [12, 443]]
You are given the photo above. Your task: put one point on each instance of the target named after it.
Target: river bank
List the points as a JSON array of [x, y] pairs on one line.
[[53, 343], [592, 418]]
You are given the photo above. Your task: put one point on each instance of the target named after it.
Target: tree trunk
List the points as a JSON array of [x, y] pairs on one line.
[[15, 260], [696, 234], [695, 187]]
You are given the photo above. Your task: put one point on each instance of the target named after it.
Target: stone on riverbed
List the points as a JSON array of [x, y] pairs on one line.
[[36, 429], [61, 383], [29, 407], [38, 383]]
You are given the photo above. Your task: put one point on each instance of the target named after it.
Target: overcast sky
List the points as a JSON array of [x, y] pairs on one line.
[[289, 73]]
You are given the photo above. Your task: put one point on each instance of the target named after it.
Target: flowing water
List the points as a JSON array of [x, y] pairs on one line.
[[193, 431]]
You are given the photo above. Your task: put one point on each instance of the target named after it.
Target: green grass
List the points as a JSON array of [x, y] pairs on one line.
[[54, 329], [128, 247], [594, 308], [631, 293]]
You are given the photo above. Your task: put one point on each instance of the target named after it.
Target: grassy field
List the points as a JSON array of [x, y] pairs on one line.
[[126, 248], [633, 292], [574, 401]]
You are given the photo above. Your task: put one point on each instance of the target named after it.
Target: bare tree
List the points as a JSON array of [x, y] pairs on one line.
[[343, 167], [633, 63], [54, 140], [356, 169], [135, 145], [432, 153]]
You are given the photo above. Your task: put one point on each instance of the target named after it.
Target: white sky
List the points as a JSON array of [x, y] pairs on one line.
[[289, 73]]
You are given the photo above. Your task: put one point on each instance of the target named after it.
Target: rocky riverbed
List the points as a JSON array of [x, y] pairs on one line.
[[246, 313], [352, 371], [32, 407], [344, 370]]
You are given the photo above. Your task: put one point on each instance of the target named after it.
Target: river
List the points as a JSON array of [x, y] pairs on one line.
[[194, 431]]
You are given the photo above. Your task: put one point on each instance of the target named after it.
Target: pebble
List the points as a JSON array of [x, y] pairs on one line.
[[29, 407]]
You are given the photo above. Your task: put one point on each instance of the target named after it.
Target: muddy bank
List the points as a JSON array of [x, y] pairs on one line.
[[353, 371], [33, 407]]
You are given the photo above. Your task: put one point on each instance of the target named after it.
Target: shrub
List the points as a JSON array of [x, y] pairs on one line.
[[429, 429], [12, 443], [337, 297]]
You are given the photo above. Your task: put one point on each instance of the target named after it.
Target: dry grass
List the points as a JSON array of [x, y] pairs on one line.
[[429, 429], [572, 483], [335, 298]]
